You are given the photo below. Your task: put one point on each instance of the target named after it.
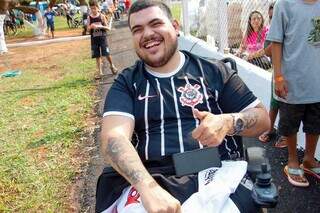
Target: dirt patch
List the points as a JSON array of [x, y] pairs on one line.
[[58, 34], [38, 57]]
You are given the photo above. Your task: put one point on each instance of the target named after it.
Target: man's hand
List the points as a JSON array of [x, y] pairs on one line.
[[157, 200], [212, 128], [281, 87]]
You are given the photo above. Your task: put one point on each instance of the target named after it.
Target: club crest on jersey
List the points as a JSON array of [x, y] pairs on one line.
[[190, 95]]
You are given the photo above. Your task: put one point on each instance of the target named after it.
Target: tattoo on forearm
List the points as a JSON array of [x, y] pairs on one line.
[[125, 162], [250, 120]]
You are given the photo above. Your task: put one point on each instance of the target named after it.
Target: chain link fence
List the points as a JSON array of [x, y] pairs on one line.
[[236, 26]]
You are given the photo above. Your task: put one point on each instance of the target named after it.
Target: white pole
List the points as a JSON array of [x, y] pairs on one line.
[[223, 24], [3, 46], [186, 24]]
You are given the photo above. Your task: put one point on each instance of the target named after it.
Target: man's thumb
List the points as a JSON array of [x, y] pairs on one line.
[[198, 114]]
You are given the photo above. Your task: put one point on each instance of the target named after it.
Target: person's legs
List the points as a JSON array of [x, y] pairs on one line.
[[98, 63], [51, 26], [311, 145], [113, 68], [105, 52], [311, 126], [273, 112], [291, 116]]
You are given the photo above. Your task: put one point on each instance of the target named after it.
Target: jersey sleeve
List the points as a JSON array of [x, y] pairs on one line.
[[119, 100], [235, 95]]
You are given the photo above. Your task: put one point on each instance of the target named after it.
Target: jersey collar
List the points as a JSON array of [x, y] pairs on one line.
[[171, 73]]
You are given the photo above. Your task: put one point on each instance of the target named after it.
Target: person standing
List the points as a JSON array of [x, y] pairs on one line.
[[281, 141], [49, 15], [295, 57], [97, 25]]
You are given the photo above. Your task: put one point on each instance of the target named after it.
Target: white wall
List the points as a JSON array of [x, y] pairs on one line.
[[258, 80]]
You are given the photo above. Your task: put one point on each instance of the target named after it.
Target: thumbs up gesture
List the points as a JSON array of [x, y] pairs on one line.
[[212, 128]]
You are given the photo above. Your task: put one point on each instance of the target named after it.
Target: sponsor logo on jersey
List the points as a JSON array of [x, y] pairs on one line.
[[140, 98], [190, 95]]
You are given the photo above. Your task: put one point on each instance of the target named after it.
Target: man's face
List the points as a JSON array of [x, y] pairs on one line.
[[154, 36]]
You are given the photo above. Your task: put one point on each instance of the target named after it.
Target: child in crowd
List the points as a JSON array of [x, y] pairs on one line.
[[49, 15], [281, 141], [295, 58], [97, 25]]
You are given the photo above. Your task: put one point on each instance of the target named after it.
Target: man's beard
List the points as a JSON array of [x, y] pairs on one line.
[[164, 59]]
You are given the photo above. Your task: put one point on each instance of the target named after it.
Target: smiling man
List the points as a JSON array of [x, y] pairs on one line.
[[170, 102]]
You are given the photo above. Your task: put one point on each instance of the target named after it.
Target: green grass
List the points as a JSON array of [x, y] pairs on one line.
[[176, 10], [42, 121], [60, 23]]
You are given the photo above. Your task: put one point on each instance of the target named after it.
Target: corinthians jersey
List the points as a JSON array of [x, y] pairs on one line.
[[161, 104]]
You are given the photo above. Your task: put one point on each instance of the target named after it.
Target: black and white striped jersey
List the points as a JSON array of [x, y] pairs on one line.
[[161, 104]]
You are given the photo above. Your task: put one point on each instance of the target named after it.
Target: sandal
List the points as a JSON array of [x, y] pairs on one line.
[[267, 136], [296, 172], [281, 142], [315, 172]]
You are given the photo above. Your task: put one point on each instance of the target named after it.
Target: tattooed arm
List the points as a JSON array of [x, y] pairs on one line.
[[256, 121], [213, 128], [119, 152]]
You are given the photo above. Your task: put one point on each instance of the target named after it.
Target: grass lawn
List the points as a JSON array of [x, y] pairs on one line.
[[60, 23], [43, 123], [176, 10]]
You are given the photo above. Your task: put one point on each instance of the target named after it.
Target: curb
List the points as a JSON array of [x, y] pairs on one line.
[[50, 41]]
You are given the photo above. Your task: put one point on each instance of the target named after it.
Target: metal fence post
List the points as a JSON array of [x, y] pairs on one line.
[[223, 24], [186, 24]]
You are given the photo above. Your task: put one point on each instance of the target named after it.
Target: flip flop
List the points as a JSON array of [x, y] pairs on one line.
[[281, 142], [315, 172], [296, 172]]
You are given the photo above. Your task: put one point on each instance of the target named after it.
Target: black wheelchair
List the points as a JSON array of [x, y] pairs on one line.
[[264, 192]]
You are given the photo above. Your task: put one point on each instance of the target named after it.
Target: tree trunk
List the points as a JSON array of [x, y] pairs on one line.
[[4, 5], [83, 2]]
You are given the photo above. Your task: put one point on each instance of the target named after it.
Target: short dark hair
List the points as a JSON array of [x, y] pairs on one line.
[[93, 3], [143, 4], [271, 6]]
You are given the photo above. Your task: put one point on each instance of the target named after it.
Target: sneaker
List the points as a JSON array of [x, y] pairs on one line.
[[113, 69]]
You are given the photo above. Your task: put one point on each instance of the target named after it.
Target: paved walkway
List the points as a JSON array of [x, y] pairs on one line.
[[292, 199]]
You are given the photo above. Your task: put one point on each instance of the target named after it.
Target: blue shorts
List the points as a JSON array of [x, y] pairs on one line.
[[50, 26], [99, 47]]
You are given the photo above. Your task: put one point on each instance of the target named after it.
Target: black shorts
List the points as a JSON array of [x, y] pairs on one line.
[[50, 26], [291, 116], [99, 47]]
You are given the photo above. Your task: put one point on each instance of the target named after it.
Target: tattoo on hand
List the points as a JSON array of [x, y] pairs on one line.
[[125, 162], [250, 120]]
